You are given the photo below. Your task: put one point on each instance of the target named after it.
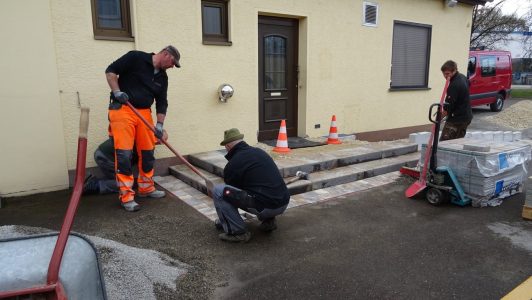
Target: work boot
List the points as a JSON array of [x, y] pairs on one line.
[[91, 186], [154, 194], [235, 238], [268, 225], [218, 225], [131, 206]]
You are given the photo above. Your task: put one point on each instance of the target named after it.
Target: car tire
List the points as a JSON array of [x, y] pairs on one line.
[[498, 104]]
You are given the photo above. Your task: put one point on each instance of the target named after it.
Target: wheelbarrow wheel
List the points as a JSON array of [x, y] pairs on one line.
[[435, 196]]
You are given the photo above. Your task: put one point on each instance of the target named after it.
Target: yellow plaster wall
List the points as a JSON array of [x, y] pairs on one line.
[[32, 147], [345, 67]]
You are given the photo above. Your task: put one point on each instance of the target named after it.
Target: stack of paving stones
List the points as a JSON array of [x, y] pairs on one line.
[[487, 167], [421, 138]]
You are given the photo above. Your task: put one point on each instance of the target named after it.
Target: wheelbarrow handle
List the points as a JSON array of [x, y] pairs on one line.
[[57, 256], [84, 123]]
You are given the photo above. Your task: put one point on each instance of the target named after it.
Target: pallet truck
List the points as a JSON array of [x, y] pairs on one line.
[[441, 181]]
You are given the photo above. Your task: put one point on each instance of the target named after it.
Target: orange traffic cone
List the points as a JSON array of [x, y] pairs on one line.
[[333, 133], [282, 140]]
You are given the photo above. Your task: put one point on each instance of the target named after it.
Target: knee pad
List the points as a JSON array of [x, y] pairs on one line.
[[123, 158], [147, 160]]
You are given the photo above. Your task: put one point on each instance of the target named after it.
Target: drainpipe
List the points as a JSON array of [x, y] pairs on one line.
[[134, 23]]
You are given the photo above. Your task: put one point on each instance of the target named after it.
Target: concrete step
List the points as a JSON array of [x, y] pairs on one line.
[[328, 178], [311, 159], [204, 205], [318, 179]]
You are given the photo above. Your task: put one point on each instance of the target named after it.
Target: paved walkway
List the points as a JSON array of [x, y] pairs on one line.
[[383, 159]]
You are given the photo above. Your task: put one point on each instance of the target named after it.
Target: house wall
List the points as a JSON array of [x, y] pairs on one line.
[[32, 147], [344, 67]]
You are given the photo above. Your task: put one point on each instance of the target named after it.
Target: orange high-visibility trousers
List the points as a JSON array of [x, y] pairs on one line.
[[128, 130]]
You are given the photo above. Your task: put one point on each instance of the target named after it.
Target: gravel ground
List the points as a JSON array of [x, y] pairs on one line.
[[128, 272], [517, 116]]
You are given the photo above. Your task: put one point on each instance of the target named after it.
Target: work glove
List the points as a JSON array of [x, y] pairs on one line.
[[121, 97], [159, 130]]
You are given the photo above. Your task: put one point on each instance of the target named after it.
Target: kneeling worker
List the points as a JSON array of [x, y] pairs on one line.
[[104, 156], [252, 183]]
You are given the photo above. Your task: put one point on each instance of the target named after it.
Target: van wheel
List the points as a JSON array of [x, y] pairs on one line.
[[498, 104]]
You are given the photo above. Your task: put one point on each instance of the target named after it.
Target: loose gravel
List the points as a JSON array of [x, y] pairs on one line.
[[517, 116], [128, 272]]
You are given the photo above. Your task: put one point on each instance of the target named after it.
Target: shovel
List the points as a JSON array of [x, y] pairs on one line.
[[209, 183], [420, 185]]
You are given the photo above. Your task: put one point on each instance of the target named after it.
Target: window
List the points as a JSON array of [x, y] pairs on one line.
[[369, 12], [215, 16], [274, 63], [471, 66], [111, 20], [410, 55], [487, 66]]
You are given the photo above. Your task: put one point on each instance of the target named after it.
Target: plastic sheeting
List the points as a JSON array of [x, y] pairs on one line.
[[485, 176]]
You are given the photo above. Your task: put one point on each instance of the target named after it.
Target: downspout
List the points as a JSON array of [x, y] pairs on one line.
[[134, 23]]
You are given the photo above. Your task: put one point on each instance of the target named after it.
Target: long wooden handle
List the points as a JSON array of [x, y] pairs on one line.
[[194, 169], [84, 123]]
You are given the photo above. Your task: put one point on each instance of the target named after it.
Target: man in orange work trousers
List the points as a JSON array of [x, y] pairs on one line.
[[140, 78]]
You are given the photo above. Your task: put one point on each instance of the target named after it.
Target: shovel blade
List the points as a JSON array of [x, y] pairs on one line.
[[416, 188]]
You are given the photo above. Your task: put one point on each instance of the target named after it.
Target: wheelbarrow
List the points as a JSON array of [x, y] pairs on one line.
[[57, 265]]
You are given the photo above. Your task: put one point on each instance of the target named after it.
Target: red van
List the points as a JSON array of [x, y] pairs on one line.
[[490, 78]]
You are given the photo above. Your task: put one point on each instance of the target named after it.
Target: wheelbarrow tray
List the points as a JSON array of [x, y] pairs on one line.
[[25, 263]]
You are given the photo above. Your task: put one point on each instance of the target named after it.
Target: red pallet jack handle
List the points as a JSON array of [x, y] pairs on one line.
[[420, 185]]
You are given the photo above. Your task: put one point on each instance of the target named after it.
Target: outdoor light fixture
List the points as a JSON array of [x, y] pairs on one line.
[[225, 91]]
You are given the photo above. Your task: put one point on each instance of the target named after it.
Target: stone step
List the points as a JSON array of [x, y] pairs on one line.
[[311, 160], [317, 179], [204, 205]]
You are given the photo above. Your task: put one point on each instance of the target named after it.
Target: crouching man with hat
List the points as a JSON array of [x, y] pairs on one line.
[[252, 183]]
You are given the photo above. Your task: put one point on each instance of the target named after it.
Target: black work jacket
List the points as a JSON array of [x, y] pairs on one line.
[[459, 105], [254, 171], [137, 79]]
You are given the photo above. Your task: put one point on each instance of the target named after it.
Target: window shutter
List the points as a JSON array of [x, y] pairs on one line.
[[410, 55], [370, 11]]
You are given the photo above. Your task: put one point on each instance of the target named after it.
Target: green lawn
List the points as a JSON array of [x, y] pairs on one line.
[[522, 93]]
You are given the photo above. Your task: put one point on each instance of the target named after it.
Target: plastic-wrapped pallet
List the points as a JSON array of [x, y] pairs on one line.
[[487, 176]]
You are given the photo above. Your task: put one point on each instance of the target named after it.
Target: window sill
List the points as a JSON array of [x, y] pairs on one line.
[[114, 38], [216, 43], [399, 89]]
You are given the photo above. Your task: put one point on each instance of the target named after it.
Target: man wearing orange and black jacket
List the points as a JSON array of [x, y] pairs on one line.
[[140, 78]]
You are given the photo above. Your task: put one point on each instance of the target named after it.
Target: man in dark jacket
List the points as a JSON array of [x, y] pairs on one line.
[[457, 104], [252, 183]]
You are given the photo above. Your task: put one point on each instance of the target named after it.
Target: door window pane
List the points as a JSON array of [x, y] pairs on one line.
[[274, 63], [471, 66], [109, 15], [487, 66]]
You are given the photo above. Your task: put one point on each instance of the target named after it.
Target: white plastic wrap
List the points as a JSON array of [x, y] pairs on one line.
[[497, 173]]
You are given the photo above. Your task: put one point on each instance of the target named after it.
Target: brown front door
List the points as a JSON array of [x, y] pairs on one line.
[[277, 76]]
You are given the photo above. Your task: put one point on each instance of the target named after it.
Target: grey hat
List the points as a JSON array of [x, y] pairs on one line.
[[231, 135], [175, 53]]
